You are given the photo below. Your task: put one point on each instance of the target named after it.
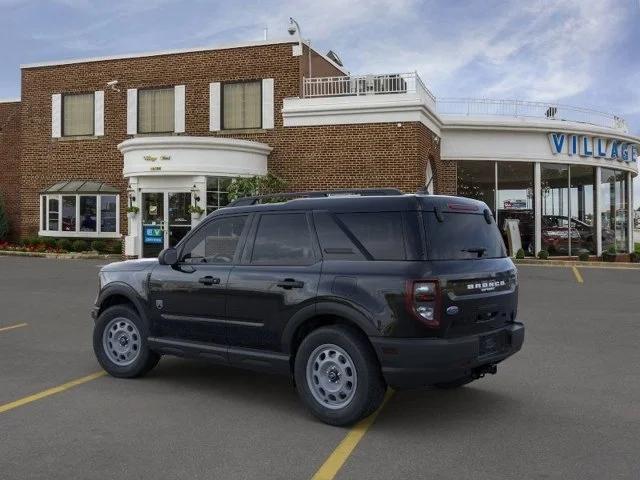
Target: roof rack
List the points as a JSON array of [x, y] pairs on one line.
[[278, 197]]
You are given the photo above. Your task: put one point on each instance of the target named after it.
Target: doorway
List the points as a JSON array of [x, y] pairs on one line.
[[165, 220]]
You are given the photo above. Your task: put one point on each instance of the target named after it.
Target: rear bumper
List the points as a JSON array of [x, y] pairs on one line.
[[416, 362]]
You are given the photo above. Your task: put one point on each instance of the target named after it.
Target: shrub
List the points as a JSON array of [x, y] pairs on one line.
[[257, 185], [29, 241], [79, 246], [520, 254], [543, 254], [48, 242], [115, 247], [4, 221], [99, 246], [634, 257], [583, 256], [64, 244]]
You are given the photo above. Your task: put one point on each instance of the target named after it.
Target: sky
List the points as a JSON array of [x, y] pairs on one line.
[[578, 52]]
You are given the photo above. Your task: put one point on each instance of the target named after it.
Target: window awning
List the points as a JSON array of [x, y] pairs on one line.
[[80, 187]]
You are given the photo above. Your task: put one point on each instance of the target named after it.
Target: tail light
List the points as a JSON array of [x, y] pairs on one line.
[[423, 301]]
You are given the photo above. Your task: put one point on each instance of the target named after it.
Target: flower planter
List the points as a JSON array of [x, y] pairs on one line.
[[195, 216], [131, 215]]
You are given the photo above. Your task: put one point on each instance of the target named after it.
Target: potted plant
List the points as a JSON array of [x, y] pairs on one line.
[[196, 211], [132, 211]]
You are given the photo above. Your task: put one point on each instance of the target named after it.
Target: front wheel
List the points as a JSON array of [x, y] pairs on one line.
[[120, 343], [338, 376]]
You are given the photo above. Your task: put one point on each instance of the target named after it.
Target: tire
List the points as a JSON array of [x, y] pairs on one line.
[[460, 382], [348, 357], [134, 358]]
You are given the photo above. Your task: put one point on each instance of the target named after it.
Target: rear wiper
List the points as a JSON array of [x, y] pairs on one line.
[[480, 250]]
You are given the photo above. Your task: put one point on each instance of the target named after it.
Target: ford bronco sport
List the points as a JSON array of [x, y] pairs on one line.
[[347, 294]]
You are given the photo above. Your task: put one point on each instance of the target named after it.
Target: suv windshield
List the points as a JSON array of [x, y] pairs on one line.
[[462, 236]]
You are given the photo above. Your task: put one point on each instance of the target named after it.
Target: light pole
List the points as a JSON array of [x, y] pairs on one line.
[[294, 27]]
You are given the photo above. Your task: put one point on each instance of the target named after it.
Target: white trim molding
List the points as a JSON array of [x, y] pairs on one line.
[[268, 108], [132, 111], [392, 108], [98, 112], [185, 155], [56, 115], [214, 107], [179, 106]]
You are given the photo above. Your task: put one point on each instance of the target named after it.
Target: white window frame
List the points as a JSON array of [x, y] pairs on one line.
[[78, 233]]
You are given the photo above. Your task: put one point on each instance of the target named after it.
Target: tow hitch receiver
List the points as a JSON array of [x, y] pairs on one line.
[[484, 370]]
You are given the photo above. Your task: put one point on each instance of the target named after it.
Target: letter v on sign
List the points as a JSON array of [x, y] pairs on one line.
[[557, 142]]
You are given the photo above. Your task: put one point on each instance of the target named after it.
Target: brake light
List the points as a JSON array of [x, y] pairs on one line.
[[463, 207], [423, 301]]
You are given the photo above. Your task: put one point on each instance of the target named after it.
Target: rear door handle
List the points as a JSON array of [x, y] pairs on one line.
[[209, 280], [289, 283]]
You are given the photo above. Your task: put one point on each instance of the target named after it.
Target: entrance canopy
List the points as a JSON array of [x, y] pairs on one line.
[[80, 186]]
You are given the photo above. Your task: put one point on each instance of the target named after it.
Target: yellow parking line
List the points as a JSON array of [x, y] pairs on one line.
[[576, 272], [336, 460], [51, 391], [11, 327]]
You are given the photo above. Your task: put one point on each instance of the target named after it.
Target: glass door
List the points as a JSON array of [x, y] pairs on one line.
[[179, 220], [153, 223]]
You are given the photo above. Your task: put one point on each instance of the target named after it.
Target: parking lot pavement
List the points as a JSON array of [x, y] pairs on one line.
[[565, 407]]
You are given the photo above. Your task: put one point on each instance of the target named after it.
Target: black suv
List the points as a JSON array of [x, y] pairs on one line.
[[346, 294]]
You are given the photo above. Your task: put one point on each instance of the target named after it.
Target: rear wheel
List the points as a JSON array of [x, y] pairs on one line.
[[337, 375], [120, 343]]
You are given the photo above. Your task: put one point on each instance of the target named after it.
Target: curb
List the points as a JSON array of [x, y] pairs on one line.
[[576, 263], [61, 256]]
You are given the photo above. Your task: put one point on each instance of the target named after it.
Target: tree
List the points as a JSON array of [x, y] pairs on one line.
[[257, 185], [4, 220]]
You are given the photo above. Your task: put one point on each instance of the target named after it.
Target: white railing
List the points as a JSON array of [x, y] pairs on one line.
[[519, 108], [393, 83]]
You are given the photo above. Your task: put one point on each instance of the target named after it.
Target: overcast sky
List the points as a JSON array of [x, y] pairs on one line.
[[582, 52]]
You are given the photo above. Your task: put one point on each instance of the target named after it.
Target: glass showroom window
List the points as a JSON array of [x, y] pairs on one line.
[[241, 105], [515, 202], [477, 180], [78, 215], [554, 183], [156, 110], [77, 114], [613, 197], [582, 208], [217, 196]]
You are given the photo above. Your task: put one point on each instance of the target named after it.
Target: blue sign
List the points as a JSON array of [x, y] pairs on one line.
[[588, 146], [153, 235]]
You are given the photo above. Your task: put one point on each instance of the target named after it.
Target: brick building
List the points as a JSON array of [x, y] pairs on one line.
[[163, 131]]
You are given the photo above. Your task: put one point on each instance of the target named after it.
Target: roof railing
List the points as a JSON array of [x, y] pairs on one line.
[[283, 197]]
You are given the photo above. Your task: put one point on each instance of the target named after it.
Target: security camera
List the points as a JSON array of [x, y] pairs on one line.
[[112, 85], [291, 29]]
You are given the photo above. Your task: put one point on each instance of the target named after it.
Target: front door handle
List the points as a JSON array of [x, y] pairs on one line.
[[209, 280], [289, 283]]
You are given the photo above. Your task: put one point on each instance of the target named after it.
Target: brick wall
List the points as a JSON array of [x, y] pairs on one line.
[[341, 156], [9, 160]]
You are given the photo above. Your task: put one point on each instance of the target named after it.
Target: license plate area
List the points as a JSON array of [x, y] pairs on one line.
[[492, 344]]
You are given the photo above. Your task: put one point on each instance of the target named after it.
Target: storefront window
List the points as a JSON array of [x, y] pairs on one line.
[[515, 203], [108, 209], [217, 193], [477, 180], [77, 215], [613, 195], [69, 213], [582, 207], [554, 183]]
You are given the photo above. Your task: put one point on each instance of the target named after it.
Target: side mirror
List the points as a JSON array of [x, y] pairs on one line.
[[168, 256]]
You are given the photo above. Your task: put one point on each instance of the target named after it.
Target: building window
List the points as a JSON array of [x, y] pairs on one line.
[[614, 210], [477, 180], [156, 110], [217, 193], [78, 114], [242, 105], [78, 215]]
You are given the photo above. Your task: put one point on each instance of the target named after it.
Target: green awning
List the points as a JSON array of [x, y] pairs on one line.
[[81, 187]]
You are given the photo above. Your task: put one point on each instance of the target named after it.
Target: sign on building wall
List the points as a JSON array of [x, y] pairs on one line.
[[153, 235], [593, 146]]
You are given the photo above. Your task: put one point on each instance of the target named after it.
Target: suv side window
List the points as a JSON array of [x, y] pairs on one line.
[[380, 233], [283, 239], [216, 243]]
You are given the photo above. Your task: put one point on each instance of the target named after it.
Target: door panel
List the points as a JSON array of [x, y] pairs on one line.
[[152, 223], [278, 276], [179, 221]]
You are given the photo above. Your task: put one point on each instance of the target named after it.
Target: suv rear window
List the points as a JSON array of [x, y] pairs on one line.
[[462, 236], [380, 233]]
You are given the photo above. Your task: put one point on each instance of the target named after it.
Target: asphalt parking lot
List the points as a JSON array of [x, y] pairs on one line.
[[566, 407]]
